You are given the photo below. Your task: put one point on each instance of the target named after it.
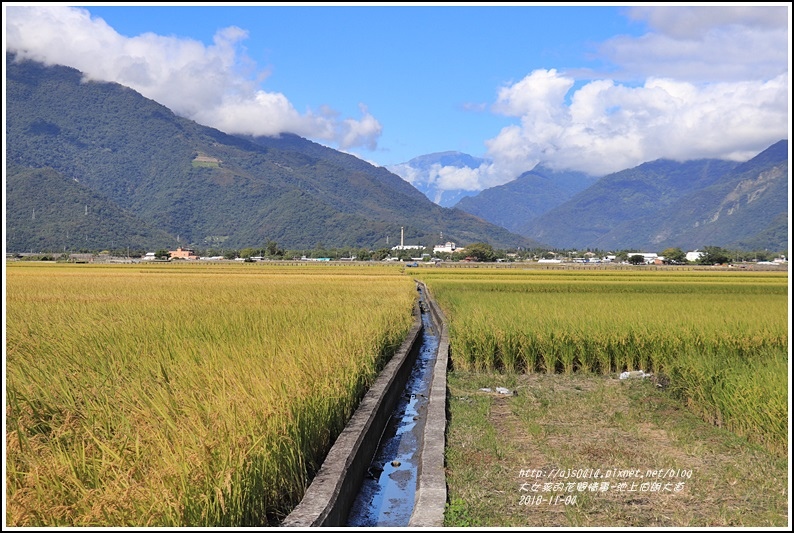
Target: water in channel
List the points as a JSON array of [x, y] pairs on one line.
[[388, 490]]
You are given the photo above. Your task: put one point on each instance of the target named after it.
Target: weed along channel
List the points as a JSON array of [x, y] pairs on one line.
[[386, 468]]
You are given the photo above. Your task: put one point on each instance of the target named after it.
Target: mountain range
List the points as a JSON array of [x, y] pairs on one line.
[[96, 165], [656, 205], [527, 197]]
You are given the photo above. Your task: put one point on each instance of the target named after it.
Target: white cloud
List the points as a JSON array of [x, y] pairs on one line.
[[691, 22], [209, 84], [442, 178], [450, 178], [704, 43], [364, 132], [539, 95], [608, 127], [410, 174], [715, 84]]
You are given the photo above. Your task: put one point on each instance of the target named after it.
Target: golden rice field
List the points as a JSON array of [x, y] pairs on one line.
[[185, 394], [716, 339]]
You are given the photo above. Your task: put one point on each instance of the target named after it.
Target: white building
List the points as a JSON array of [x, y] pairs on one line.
[[648, 257], [694, 256], [448, 247], [403, 246]]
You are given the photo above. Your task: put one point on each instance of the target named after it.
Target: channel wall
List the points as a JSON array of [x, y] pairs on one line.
[[332, 492]]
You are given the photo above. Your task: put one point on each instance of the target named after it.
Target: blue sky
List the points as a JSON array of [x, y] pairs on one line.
[[594, 88]]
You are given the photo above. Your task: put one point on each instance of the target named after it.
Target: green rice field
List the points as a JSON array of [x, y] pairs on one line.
[[716, 339]]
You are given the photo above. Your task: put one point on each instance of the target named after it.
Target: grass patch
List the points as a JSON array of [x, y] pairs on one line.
[[721, 338], [502, 450], [205, 164]]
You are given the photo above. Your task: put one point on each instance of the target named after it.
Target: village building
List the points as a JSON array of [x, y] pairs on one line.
[[448, 247], [649, 258], [403, 246], [694, 256], [183, 253]]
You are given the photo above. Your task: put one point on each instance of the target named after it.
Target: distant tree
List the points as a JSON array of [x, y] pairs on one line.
[[363, 254], [402, 255], [674, 255], [231, 254], [320, 251], [713, 255], [293, 254], [622, 256], [380, 254], [636, 259], [481, 251], [162, 254], [272, 249], [500, 255], [345, 252], [762, 255]]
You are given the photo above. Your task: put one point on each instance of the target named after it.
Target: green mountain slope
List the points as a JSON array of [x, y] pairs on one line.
[[747, 209], [699, 203], [205, 186], [51, 213], [530, 195], [643, 207]]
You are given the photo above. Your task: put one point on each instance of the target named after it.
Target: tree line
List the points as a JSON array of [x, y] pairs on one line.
[[478, 251]]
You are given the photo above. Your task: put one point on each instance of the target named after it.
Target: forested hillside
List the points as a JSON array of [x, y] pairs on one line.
[[667, 203], [527, 197], [201, 185]]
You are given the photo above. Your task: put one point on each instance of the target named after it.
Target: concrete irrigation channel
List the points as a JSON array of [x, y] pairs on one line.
[[386, 468]]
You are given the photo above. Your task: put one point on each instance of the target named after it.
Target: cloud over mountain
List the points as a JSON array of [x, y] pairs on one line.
[[215, 85], [705, 82], [700, 82]]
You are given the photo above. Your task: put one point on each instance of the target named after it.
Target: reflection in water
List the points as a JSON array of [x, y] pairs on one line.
[[387, 492]]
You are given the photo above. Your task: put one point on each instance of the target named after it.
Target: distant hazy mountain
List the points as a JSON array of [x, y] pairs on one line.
[[530, 195], [422, 173], [673, 204], [156, 174]]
